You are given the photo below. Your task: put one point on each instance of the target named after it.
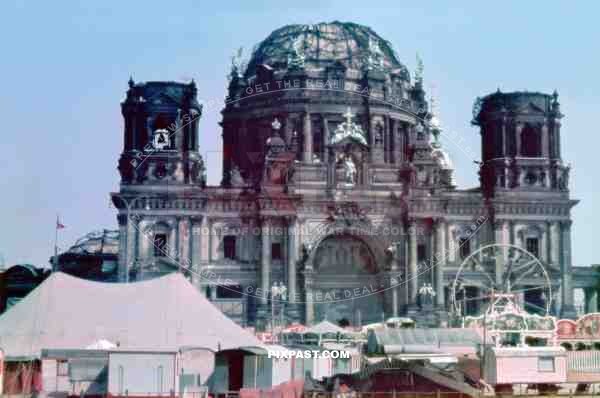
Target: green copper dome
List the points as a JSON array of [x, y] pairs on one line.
[[324, 44]]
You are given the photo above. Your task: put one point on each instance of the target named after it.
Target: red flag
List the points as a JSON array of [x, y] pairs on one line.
[[58, 224]]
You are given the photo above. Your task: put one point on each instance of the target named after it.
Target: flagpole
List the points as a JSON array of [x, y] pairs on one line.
[[55, 262]]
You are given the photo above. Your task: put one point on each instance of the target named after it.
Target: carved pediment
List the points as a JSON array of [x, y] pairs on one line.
[[164, 98], [531, 108], [347, 212]]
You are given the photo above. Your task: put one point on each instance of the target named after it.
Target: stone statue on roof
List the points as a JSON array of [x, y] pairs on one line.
[[375, 55], [419, 70], [237, 64], [296, 58]]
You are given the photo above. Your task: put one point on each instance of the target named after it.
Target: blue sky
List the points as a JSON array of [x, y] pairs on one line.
[[64, 69]]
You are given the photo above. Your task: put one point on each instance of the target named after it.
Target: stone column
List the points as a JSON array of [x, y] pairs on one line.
[[145, 241], [557, 125], [214, 242], [325, 138], [292, 257], [504, 140], [505, 239], [205, 234], [176, 247], [123, 259], [544, 249], [265, 261], [545, 141], [518, 130], [190, 243], [554, 243], [412, 264], [132, 241], [397, 141], [196, 248], [184, 246], [439, 256], [309, 310], [149, 121], [591, 300], [394, 268], [171, 247], [386, 139], [568, 310], [308, 138], [179, 137]]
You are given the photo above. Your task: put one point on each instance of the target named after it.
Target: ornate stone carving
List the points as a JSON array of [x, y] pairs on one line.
[[348, 130]]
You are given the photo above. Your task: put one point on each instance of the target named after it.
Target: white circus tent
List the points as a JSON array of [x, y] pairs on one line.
[[165, 313]]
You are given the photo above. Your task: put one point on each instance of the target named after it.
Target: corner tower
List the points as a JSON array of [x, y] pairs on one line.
[[520, 141], [160, 170], [526, 183], [161, 134]]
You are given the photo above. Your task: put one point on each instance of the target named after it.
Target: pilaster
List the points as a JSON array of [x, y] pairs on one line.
[[123, 251], [265, 260], [413, 274], [439, 256], [308, 138], [568, 309]]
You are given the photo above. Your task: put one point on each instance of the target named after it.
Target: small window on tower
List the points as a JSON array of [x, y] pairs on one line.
[[165, 130], [229, 247], [464, 245], [421, 252], [160, 245], [531, 141], [276, 251], [532, 246]]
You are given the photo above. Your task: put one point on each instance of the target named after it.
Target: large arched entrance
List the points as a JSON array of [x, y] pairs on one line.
[[347, 285]]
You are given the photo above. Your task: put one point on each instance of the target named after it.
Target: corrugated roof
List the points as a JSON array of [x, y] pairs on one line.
[[423, 340]]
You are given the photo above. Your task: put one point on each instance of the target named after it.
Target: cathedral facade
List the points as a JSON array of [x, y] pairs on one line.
[[337, 199]]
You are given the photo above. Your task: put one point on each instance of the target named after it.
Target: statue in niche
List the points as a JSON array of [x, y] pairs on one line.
[[427, 294], [178, 173], [236, 177], [349, 170]]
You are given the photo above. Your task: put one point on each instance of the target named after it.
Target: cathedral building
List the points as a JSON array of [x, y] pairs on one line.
[[336, 190]]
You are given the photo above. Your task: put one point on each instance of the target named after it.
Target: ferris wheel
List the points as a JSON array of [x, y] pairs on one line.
[[502, 269]]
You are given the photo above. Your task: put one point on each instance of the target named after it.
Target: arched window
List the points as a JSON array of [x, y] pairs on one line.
[[531, 141], [229, 247], [160, 241]]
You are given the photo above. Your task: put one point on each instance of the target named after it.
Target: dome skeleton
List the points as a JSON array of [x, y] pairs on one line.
[[315, 46]]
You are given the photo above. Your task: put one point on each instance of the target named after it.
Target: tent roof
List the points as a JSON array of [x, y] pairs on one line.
[[325, 327], [160, 314]]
